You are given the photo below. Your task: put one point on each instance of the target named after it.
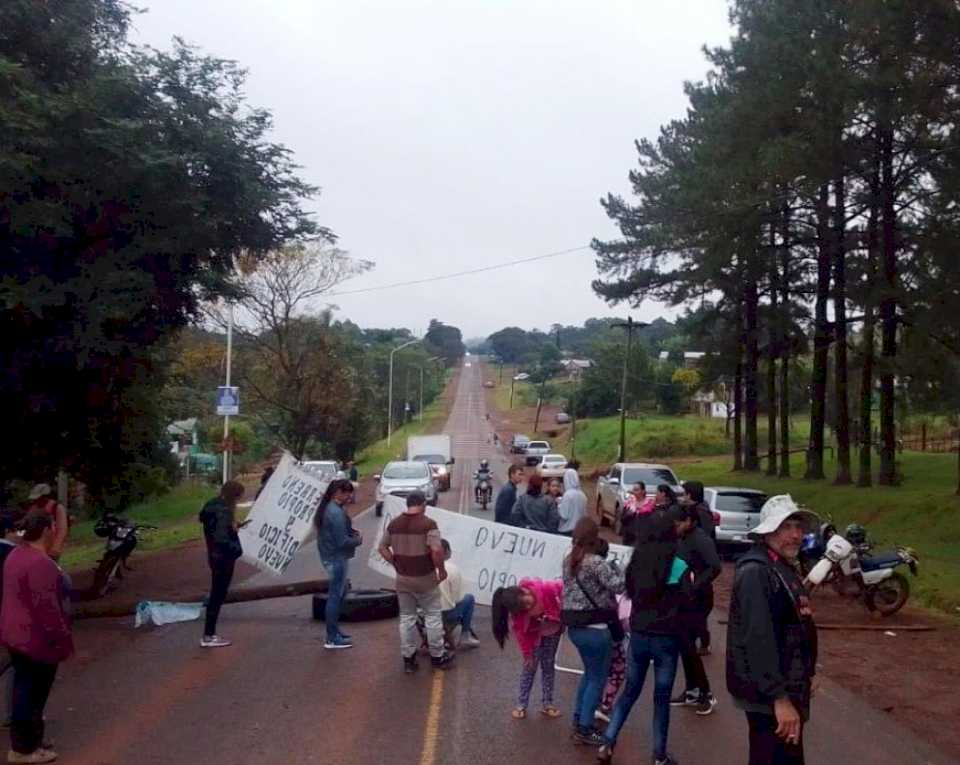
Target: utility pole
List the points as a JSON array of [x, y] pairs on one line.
[[628, 325], [227, 452], [513, 381], [390, 388]]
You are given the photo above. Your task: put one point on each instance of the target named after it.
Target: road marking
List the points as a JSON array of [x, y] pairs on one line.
[[431, 731]]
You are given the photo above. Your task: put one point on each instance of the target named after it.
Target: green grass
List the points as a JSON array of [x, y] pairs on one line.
[[175, 513], [923, 513], [658, 437], [377, 454]]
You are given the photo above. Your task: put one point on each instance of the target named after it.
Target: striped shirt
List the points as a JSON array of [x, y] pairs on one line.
[[411, 537]]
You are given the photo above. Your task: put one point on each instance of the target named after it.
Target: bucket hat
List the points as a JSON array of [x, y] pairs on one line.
[[776, 510]]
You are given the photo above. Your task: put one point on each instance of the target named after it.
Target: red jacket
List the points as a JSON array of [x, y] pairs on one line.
[[527, 631], [32, 619]]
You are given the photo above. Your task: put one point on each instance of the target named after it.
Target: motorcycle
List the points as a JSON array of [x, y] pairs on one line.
[[849, 566], [483, 491], [122, 537]]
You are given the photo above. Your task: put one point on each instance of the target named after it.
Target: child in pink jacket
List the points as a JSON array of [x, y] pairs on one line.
[[533, 607]]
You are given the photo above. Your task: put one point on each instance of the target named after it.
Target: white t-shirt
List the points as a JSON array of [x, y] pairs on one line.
[[451, 588]]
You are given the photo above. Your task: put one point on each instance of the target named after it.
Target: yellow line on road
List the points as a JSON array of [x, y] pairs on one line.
[[431, 731]]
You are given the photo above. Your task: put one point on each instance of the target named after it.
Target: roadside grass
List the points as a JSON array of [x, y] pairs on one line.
[[175, 513]]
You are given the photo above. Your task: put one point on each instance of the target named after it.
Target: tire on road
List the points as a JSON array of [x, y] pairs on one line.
[[361, 606]]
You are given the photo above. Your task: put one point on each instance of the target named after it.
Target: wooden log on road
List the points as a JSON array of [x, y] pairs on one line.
[[95, 610]]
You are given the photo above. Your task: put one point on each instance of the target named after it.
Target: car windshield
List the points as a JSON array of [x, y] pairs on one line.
[[554, 458], [740, 502], [321, 467], [405, 471], [652, 477], [433, 459], [539, 445]]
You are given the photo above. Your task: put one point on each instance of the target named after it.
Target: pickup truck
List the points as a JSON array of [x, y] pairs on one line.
[[614, 488], [535, 451], [519, 443]]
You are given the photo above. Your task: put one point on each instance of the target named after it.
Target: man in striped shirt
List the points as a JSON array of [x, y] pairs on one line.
[[412, 545]]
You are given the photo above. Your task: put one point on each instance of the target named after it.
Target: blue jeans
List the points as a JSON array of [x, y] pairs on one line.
[[462, 613], [596, 649], [337, 570], [663, 650]]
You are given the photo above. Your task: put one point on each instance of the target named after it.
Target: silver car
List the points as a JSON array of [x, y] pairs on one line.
[[739, 511], [401, 479]]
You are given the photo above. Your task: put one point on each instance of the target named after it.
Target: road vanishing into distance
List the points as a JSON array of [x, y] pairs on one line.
[[276, 696]]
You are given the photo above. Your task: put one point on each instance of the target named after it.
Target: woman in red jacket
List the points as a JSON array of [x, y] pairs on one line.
[[35, 627]]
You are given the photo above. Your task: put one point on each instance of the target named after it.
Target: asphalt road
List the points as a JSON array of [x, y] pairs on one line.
[[276, 696]]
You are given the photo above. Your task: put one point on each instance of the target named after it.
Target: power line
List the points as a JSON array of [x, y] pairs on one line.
[[494, 267]]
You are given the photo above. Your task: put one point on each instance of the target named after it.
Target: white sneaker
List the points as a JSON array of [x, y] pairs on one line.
[[38, 755], [469, 640], [213, 641], [600, 715]]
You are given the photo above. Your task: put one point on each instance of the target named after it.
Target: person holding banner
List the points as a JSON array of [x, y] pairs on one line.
[[590, 588], [223, 549], [533, 608], [337, 543], [412, 544]]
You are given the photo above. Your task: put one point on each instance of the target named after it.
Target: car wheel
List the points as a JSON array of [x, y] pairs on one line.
[[360, 605], [601, 515]]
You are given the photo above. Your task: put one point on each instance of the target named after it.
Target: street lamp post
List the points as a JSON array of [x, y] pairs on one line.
[[390, 388], [628, 325]]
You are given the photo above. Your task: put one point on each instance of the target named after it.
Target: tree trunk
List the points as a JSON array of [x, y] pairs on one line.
[[865, 477], [821, 342], [888, 307], [738, 396], [785, 344], [751, 459], [841, 374], [772, 413]]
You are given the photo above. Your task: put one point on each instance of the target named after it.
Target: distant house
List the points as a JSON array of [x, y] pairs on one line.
[[712, 402], [664, 356], [691, 359], [575, 367], [183, 434]]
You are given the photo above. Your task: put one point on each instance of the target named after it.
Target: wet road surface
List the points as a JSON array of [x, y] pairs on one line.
[[276, 696]]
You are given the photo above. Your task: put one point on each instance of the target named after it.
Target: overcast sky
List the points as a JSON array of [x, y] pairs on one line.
[[452, 134]]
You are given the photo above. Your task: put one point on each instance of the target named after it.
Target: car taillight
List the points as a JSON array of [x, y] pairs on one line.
[[716, 517]]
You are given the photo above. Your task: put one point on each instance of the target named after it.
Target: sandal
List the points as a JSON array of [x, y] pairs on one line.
[[552, 712], [519, 714]]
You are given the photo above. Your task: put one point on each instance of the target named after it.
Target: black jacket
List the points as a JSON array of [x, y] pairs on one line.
[[655, 604], [505, 501], [706, 520], [700, 554], [219, 531], [771, 647]]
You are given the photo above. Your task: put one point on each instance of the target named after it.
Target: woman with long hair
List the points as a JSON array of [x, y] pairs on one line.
[[223, 548], [638, 504], [653, 582], [337, 543], [590, 589], [533, 608], [533, 510]]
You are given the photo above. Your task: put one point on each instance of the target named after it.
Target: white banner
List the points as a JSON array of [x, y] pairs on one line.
[[282, 517], [489, 554]]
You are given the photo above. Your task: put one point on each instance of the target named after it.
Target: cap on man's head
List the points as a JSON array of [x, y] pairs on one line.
[[778, 509], [9, 519], [416, 499], [39, 490]]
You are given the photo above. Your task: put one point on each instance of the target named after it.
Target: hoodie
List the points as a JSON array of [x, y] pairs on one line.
[[573, 504], [219, 531]]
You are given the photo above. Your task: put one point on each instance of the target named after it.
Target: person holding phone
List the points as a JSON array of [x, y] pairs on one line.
[[223, 548]]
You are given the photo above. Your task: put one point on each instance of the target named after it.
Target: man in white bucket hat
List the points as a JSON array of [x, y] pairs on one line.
[[771, 638]]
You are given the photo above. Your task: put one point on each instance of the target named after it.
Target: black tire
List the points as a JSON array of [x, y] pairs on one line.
[[617, 524], [361, 605], [601, 515], [104, 575], [379, 510], [889, 596]]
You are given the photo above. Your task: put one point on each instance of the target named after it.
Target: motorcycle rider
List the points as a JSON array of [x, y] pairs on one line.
[[483, 474], [772, 639]]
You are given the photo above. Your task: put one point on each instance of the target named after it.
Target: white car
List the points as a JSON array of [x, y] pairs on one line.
[[326, 469], [535, 450], [401, 479], [552, 466], [739, 511], [614, 488]]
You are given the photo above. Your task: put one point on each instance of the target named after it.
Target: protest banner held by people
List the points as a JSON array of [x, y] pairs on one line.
[[223, 549], [532, 610], [507, 496], [411, 543], [653, 584], [35, 628], [772, 638], [590, 587], [337, 543], [458, 605]]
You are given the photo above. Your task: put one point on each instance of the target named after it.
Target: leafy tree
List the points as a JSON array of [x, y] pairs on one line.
[[445, 341]]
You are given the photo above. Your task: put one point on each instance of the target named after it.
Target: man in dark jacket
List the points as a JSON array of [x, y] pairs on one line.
[[508, 495], [771, 639], [699, 552]]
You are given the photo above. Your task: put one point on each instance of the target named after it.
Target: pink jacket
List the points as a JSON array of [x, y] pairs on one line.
[[527, 631]]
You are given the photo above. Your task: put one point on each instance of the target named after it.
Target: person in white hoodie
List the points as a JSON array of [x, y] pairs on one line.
[[573, 503]]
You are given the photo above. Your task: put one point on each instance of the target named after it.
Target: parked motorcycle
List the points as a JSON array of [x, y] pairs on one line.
[[848, 565], [122, 537]]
